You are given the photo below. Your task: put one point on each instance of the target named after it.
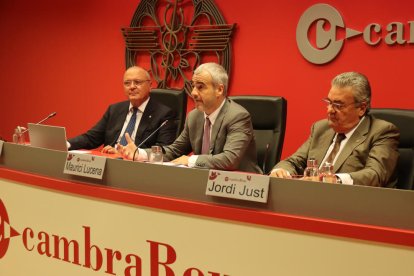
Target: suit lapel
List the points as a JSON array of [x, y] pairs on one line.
[[322, 145], [120, 116], [199, 130], [357, 138], [145, 121]]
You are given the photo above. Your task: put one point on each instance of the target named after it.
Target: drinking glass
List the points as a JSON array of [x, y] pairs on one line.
[[311, 172], [327, 174], [18, 136], [156, 156]]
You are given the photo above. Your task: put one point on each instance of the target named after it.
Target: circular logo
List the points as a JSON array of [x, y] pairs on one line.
[[326, 19], [6, 231]]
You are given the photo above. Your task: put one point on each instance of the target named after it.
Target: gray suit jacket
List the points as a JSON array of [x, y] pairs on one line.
[[370, 156], [233, 146]]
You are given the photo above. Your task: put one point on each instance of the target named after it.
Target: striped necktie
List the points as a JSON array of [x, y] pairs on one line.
[[130, 127]]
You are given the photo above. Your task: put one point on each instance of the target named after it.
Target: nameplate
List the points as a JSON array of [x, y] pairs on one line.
[[85, 165], [251, 187], [1, 146]]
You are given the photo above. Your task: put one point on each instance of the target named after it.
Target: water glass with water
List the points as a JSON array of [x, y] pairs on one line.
[[18, 136], [156, 156], [327, 173], [311, 172]]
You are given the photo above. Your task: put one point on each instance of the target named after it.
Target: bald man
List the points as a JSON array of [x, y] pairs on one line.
[[139, 116]]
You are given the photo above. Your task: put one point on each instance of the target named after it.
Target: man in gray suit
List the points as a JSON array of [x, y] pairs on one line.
[[367, 153], [218, 132]]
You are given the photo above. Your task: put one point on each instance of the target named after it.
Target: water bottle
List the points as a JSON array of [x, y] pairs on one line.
[[327, 173], [311, 172]]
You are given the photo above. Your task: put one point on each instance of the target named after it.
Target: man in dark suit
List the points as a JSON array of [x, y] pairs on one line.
[[218, 132], [139, 116], [363, 149]]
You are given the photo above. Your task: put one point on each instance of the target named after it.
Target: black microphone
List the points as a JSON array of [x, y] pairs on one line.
[[146, 139], [53, 114], [152, 134], [265, 158], [116, 138]]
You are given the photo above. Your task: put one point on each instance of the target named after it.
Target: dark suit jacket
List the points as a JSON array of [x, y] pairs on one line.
[[233, 146], [370, 156], [107, 130]]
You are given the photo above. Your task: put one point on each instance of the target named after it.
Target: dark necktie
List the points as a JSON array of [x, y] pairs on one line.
[[130, 127], [206, 137], [336, 147]]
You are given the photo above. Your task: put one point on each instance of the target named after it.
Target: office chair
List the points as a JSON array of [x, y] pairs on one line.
[[174, 99], [268, 115], [404, 120]]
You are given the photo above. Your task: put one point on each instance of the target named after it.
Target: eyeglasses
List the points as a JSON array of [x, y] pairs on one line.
[[128, 83], [336, 106]]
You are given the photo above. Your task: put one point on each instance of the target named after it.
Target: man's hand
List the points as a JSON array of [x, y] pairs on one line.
[[183, 160], [281, 173], [127, 151], [109, 149]]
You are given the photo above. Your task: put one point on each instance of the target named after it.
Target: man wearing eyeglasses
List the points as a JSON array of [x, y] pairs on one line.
[[363, 149], [139, 116]]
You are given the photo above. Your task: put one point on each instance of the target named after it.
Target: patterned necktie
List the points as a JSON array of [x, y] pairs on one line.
[[130, 127], [206, 137], [336, 147]]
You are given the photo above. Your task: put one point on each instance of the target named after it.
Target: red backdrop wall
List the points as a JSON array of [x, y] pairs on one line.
[[69, 57]]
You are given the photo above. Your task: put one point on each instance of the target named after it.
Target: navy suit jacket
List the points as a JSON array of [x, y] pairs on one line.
[[107, 130]]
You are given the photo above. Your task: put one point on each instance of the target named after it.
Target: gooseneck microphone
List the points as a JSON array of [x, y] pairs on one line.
[[152, 134], [41, 121], [265, 158], [53, 114], [140, 144], [146, 139], [116, 138]]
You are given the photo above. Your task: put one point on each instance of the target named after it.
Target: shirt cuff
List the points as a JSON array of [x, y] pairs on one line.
[[142, 155], [345, 178], [278, 169], [192, 161]]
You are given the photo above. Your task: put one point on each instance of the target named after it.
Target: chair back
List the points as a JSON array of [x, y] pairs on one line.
[[174, 99], [404, 120], [268, 115]]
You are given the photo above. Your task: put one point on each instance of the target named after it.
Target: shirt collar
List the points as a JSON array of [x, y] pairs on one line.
[[141, 108], [349, 133], [214, 114]]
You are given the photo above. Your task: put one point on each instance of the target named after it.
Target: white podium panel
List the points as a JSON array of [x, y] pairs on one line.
[[81, 232]]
